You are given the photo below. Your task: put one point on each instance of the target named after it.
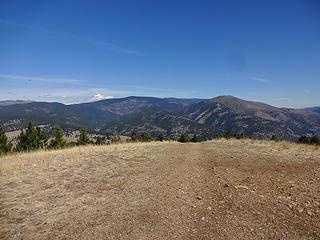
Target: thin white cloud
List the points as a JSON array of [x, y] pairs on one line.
[[284, 99], [40, 79], [100, 96], [103, 44], [68, 90], [261, 80]]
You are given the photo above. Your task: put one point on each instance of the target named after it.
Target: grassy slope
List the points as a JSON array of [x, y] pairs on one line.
[[213, 190]]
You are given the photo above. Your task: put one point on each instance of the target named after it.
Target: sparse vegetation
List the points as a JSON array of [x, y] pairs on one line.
[[5, 145], [303, 139], [58, 141], [314, 140], [230, 135], [32, 139], [274, 138], [102, 189], [83, 138], [194, 138], [144, 137], [160, 137], [184, 138], [99, 140]]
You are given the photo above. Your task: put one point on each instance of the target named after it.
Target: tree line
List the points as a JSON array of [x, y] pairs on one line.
[[34, 138]]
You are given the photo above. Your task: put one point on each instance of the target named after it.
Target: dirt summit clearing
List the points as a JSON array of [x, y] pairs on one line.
[[212, 190]]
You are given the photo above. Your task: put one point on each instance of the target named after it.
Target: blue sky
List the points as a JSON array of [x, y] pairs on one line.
[[78, 51]]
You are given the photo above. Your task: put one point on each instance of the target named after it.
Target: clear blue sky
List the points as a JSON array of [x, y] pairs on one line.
[[77, 51]]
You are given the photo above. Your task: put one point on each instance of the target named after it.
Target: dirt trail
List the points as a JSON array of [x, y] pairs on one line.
[[213, 190]]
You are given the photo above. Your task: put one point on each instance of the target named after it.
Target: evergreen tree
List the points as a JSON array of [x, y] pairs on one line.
[[194, 138], [160, 137], [33, 138], [41, 138], [274, 138], [184, 138], [239, 136], [83, 138], [58, 140], [315, 140], [146, 137], [134, 136], [304, 139], [5, 145], [99, 140]]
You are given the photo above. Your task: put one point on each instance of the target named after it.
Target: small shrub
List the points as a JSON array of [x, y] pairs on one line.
[[304, 140], [314, 140], [274, 138], [144, 137], [184, 138], [194, 138], [99, 141]]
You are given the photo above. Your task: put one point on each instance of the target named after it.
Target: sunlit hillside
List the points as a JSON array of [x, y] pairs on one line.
[[224, 189]]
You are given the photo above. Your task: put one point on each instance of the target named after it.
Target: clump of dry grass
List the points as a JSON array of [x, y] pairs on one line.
[[274, 144], [18, 161]]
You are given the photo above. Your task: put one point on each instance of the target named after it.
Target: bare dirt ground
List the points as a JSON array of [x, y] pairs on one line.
[[212, 190]]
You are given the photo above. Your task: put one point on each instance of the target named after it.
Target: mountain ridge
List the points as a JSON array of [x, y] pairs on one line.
[[171, 116]]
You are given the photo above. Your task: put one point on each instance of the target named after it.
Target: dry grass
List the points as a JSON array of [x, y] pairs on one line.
[[279, 145], [17, 161], [224, 189]]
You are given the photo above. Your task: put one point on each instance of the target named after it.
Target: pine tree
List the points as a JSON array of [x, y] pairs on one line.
[[41, 138], [83, 138], [146, 137], [58, 140], [184, 138], [5, 145], [315, 140], [160, 137], [194, 138], [274, 138], [99, 141], [134, 136], [304, 139], [33, 138]]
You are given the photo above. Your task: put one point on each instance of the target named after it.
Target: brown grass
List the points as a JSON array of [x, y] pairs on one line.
[[225, 189]]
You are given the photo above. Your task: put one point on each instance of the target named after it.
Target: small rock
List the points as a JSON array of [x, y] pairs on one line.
[[309, 212], [227, 185], [242, 186], [199, 198], [300, 209], [232, 157], [203, 218]]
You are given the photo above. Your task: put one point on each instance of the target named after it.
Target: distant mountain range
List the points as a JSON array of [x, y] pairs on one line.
[[13, 102], [313, 109], [171, 116]]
